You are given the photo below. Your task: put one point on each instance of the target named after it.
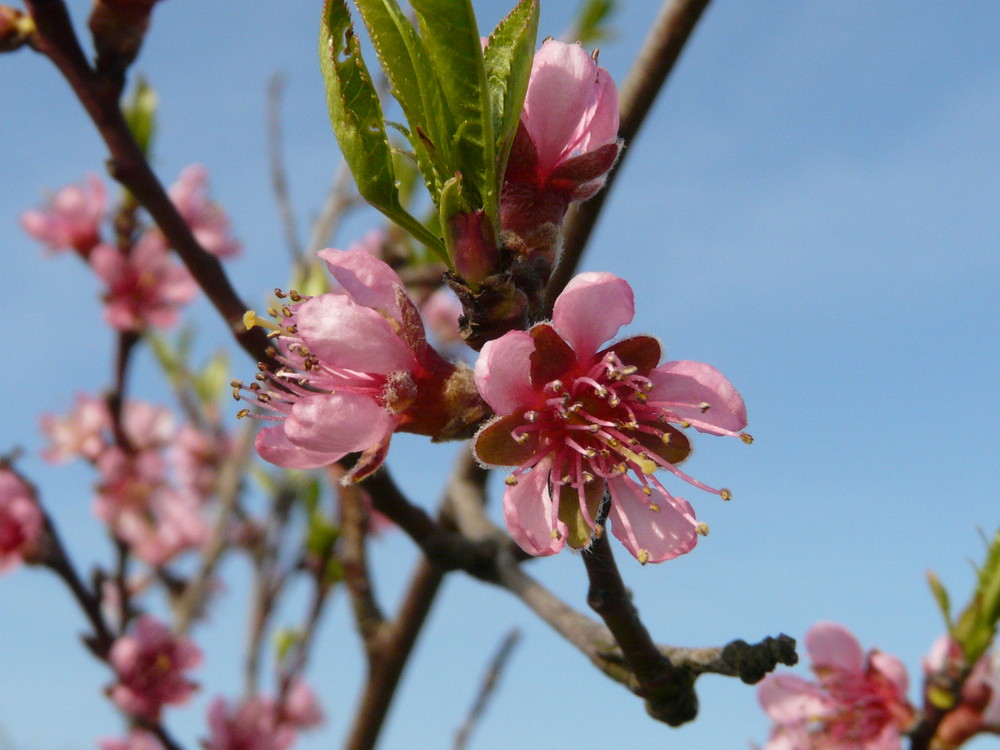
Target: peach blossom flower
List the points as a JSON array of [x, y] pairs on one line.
[[72, 219], [576, 420], [207, 220], [858, 702], [150, 664], [21, 520]]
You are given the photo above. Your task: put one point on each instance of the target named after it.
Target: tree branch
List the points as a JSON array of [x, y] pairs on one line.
[[661, 49], [127, 164]]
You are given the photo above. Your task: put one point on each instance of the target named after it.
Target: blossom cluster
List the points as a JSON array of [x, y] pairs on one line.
[[21, 520], [158, 517], [144, 286]]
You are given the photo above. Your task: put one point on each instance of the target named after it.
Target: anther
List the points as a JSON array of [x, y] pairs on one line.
[[286, 311], [263, 398], [630, 370], [555, 386], [242, 413], [647, 491], [685, 424], [236, 394], [613, 400], [279, 294], [701, 529], [590, 453], [510, 481], [725, 494], [272, 312], [746, 437], [237, 383], [704, 406], [294, 296], [587, 477], [654, 507], [642, 556], [520, 439], [261, 377], [262, 367], [530, 416], [254, 387]]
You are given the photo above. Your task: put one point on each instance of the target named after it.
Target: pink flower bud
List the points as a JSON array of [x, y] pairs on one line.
[[21, 520]]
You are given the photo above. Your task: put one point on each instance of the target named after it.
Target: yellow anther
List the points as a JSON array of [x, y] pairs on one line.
[[587, 477], [641, 398], [272, 312], [236, 394], [654, 507], [647, 465], [263, 398], [252, 319], [746, 437], [590, 453], [701, 529], [613, 400], [294, 296], [704, 406], [520, 439], [642, 556], [555, 533], [279, 294], [685, 424], [510, 481], [665, 437], [630, 370], [286, 311], [725, 494], [647, 491], [242, 413]]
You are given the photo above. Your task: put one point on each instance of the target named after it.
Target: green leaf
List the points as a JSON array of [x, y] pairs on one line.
[[940, 594], [450, 34], [415, 86], [356, 116], [508, 59], [140, 114], [208, 384], [977, 626]]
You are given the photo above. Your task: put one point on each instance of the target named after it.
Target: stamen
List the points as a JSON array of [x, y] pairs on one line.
[[510, 481], [242, 413], [746, 437], [701, 529], [252, 319], [642, 556], [725, 494]]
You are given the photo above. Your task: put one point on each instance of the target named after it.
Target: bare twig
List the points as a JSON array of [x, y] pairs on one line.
[[340, 199], [664, 43], [489, 684], [57, 40], [392, 656], [353, 529], [275, 89], [229, 488]]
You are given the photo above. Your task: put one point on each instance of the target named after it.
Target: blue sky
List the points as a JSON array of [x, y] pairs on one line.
[[812, 207]]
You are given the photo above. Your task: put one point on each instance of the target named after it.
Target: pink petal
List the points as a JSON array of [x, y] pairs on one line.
[[273, 446], [503, 372], [344, 334], [684, 387], [530, 514], [833, 646], [602, 127], [893, 669], [368, 280], [788, 699], [561, 89], [338, 423], [591, 309], [655, 535]]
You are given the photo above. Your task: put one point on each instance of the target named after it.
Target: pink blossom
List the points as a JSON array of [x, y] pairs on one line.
[[150, 665], [128, 482], [576, 419], [196, 456], [138, 739], [567, 140], [170, 523], [441, 312], [72, 219], [147, 426], [251, 725], [356, 367], [21, 520], [300, 708], [207, 220], [145, 287], [80, 433], [859, 701]]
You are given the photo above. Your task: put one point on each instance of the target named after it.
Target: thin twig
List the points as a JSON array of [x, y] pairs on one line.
[[275, 89], [488, 686], [368, 616], [229, 487], [661, 49], [340, 199], [393, 655]]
